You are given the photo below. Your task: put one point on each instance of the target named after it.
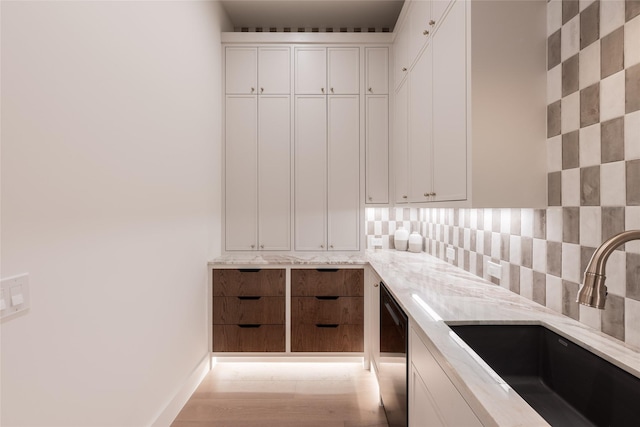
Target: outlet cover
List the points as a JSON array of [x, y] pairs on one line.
[[14, 295], [494, 270], [376, 242], [451, 254]]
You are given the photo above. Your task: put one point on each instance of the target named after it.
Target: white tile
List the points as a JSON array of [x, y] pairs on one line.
[[495, 245], [505, 221], [571, 262], [456, 237], [570, 38], [370, 214], [473, 268], [488, 220], [554, 84], [590, 316], [612, 96], [467, 239], [554, 16], [377, 228], [505, 279], [540, 255], [632, 222], [611, 16], [571, 187], [590, 150], [473, 218], [526, 283], [616, 272], [632, 322], [554, 154], [632, 42], [612, 184], [480, 241], [585, 3], [460, 258], [589, 72], [554, 293], [590, 226], [570, 117], [632, 135], [554, 224], [515, 250], [526, 218], [385, 214]]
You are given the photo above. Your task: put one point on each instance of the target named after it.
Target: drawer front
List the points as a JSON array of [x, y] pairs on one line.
[[242, 282], [340, 310], [327, 337], [327, 282], [257, 338], [242, 310]]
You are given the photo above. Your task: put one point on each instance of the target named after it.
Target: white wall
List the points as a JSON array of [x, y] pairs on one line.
[[110, 201]]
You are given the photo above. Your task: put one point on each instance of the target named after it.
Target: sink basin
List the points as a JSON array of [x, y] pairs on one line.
[[565, 383]]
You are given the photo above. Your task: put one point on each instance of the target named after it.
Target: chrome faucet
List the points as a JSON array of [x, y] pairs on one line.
[[593, 292]]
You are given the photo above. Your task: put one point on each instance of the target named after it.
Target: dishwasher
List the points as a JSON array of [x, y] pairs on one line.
[[393, 369]]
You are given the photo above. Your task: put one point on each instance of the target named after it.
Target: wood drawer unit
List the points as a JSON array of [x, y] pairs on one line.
[[327, 310], [248, 310]]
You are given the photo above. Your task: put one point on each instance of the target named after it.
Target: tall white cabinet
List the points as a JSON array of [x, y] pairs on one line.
[[377, 125], [327, 149], [257, 149]]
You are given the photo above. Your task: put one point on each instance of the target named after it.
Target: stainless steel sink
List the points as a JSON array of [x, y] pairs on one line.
[[565, 383]]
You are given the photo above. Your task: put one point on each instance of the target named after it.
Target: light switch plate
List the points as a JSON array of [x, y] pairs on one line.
[[15, 295]]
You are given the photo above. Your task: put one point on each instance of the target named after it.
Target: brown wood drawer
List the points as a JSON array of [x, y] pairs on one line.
[[327, 282], [320, 338], [253, 282], [263, 338], [238, 310], [341, 310]]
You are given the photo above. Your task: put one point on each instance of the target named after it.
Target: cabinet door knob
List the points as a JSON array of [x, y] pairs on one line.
[[375, 285], [425, 33], [404, 68], [322, 89], [322, 246], [427, 194], [370, 90], [261, 246], [370, 198], [432, 22], [253, 246], [331, 246], [253, 89], [261, 90], [432, 194], [331, 90], [404, 197]]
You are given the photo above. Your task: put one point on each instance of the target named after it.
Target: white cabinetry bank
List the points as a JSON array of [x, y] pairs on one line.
[[306, 136], [469, 117]]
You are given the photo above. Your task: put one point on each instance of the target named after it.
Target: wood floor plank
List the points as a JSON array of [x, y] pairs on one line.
[[285, 395]]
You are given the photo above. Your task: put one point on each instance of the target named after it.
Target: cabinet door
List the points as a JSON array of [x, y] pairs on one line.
[[401, 55], [310, 228], [344, 70], [241, 69], [274, 70], [420, 128], [401, 144], [419, 28], [343, 207], [377, 69], [241, 188], [450, 106], [311, 70], [422, 409], [377, 149], [274, 173], [438, 8]]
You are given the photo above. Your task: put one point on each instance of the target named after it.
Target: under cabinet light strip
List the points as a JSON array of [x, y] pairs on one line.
[[427, 308]]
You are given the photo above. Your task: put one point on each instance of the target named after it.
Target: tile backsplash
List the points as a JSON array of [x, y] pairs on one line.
[[593, 152]]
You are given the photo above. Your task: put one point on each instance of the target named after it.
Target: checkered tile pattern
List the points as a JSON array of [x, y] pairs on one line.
[[593, 161]]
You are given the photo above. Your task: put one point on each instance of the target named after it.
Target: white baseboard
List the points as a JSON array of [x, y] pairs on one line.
[[173, 408]]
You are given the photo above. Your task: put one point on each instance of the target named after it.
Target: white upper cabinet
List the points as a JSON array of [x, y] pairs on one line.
[[311, 70], [401, 60], [419, 26], [343, 173], [343, 65], [377, 149], [274, 70], [241, 70], [401, 143], [377, 70]]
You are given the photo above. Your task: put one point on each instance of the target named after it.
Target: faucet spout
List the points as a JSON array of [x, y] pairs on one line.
[[593, 292]]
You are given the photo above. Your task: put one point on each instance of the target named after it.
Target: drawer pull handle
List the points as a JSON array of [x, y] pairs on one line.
[[249, 326], [327, 270], [249, 298], [249, 270], [326, 325], [329, 297]]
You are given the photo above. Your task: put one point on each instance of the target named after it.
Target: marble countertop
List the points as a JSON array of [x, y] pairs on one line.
[[299, 258], [454, 296]]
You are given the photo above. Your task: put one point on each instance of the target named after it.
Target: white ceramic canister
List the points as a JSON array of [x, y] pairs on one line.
[[415, 242], [401, 239]]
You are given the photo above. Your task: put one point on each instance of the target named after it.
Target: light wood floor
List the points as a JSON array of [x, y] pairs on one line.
[[271, 394]]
